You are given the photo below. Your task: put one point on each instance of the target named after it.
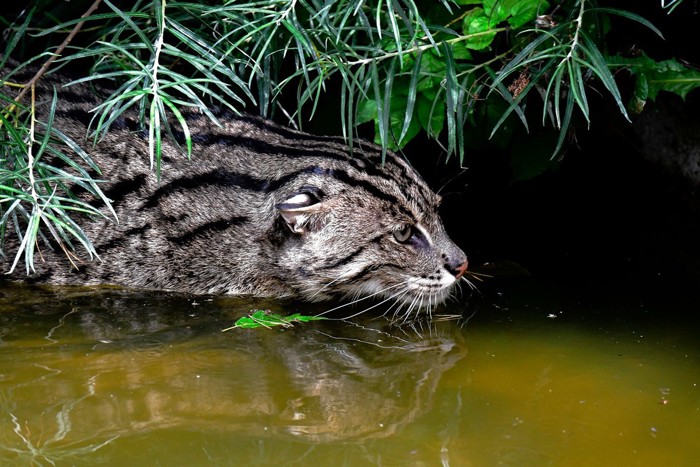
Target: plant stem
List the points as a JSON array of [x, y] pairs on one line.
[[57, 52], [158, 46], [30, 150], [482, 65], [579, 24], [421, 48]]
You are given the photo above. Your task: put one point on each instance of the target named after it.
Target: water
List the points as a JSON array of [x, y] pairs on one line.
[[538, 375]]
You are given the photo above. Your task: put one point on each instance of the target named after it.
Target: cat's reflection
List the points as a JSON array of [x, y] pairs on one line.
[[139, 364]]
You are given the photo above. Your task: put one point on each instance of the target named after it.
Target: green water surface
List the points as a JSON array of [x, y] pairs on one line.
[[536, 376]]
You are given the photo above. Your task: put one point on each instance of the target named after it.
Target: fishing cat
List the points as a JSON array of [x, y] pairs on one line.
[[259, 209]]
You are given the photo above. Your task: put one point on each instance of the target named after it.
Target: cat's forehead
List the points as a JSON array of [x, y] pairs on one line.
[[360, 169], [395, 188]]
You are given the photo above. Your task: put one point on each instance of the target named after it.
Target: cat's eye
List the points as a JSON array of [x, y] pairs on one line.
[[403, 234]]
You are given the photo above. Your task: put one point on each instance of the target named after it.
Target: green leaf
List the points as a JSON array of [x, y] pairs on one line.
[[531, 155], [641, 94], [577, 87], [402, 135], [667, 75], [477, 22], [564, 127], [452, 93], [432, 71], [411, 100], [128, 19], [628, 15], [497, 10], [366, 111], [382, 117], [267, 319], [431, 115], [461, 52], [600, 67], [525, 11]]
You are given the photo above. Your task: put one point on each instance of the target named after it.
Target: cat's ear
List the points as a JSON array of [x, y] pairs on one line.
[[301, 210]]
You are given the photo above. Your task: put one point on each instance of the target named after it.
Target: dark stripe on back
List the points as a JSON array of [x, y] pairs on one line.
[[256, 145], [323, 150], [76, 114], [124, 238], [209, 227], [68, 94], [122, 188], [216, 177], [328, 148], [225, 178]]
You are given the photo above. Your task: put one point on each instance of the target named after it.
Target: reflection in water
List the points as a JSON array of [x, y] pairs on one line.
[[82, 369], [550, 377]]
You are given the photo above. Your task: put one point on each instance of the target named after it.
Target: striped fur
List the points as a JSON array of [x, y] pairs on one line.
[[260, 210]]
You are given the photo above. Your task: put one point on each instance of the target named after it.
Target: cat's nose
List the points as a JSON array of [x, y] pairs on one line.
[[458, 269]]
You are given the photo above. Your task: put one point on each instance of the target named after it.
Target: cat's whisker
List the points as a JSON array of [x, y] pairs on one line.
[[410, 307], [392, 297], [470, 284], [358, 300], [450, 180], [420, 305], [414, 307], [402, 303], [479, 276], [337, 279], [457, 290], [396, 298], [399, 303]]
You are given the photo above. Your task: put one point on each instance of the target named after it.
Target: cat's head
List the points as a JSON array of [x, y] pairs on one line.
[[367, 229]]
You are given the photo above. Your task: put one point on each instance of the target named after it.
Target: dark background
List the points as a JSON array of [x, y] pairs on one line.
[[604, 213]]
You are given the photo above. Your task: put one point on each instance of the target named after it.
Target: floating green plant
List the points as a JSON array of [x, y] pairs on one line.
[[267, 319]]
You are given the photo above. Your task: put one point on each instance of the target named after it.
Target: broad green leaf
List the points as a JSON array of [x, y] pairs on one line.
[[396, 121], [431, 115], [433, 71], [461, 52], [525, 11], [531, 154], [476, 22], [671, 76], [366, 111], [497, 10]]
